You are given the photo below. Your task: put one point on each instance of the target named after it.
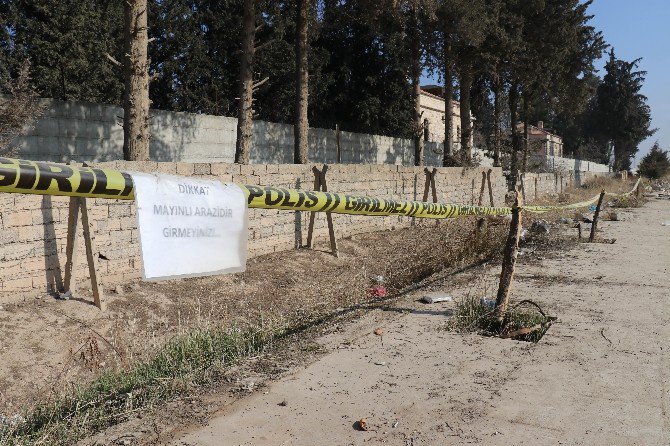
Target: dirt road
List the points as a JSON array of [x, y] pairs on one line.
[[599, 377]]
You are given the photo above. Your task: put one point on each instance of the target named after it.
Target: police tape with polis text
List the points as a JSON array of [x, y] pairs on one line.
[[32, 177]]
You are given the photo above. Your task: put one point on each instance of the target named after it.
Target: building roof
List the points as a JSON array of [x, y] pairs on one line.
[[433, 90], [534, 130]]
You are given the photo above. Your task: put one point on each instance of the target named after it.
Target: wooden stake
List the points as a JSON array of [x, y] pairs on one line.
[[90, 249], [79, 204], [429, 186], [594, 225], [312, 215], [426, 186], [509, 261], [481, 191], [320, 185]]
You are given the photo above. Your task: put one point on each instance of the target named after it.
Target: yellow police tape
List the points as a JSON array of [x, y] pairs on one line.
[[629, 193], [581, 204], [298, 200], [33, 177]]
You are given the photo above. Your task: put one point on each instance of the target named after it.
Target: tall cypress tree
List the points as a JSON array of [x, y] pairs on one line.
[[66, 43], [622, 115], [366, 88]]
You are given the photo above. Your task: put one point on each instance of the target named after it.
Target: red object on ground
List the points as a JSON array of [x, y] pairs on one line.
[[378, 291]]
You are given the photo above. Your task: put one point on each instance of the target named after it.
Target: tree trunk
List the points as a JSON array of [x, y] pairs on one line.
[[525, 134], [497, 89], [301, 122], [416, 89], [466, 121], [246, 92], [136, 73], [447, 157], [620, 161], [509, 261], [516, 143]]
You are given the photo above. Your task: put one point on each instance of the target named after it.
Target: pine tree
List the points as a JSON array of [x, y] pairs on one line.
[[655, 164], [621, 113], [363, 87], [66, 43], [195, 55]]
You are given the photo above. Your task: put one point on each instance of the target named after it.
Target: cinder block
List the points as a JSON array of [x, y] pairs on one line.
[[119, 210], [20, 218]]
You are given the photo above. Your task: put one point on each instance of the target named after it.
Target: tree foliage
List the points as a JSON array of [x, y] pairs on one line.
[[508, 61], [621, 115], [655, 164]]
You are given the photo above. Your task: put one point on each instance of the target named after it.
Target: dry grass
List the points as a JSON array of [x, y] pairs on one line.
[[289, 291]]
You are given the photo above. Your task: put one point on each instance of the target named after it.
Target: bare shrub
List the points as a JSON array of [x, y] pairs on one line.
[[19, 107]]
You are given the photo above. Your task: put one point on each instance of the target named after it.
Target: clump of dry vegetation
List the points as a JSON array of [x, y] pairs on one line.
[[524, 321], [18, 109]]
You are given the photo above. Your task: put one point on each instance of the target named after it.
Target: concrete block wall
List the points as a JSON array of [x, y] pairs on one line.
[[559, 164], [73, 131], [34, 227]]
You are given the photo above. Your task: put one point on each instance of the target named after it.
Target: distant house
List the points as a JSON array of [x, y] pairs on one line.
[[542, 141], [433, 114]]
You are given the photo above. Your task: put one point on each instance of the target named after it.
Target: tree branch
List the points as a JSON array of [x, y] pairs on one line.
[[259, 83], [112, 60], [263, 45]]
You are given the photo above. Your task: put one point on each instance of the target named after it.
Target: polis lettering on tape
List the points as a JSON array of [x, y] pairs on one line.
[[31, 177], [269, 197]]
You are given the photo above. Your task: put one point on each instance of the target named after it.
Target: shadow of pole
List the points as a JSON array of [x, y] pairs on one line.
[[54, 278]]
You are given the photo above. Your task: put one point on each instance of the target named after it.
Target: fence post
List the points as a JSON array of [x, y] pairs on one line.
[[509, 260], [594, 225], [481, 191], [488, 179]]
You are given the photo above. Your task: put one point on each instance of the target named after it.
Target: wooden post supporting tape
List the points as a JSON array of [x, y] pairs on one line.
[[594, 225], [488, 179], [481, 191], [321, 186], [509, 260], [78, 204], [430, 184]]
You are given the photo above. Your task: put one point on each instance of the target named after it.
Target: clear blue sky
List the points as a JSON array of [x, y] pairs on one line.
[[639, 29], [642, 29]]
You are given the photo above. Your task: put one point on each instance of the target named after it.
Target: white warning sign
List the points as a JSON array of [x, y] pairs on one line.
[[189, 227]]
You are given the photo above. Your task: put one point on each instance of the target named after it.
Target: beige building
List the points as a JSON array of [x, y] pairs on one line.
[[433, 112], [543, 141]]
